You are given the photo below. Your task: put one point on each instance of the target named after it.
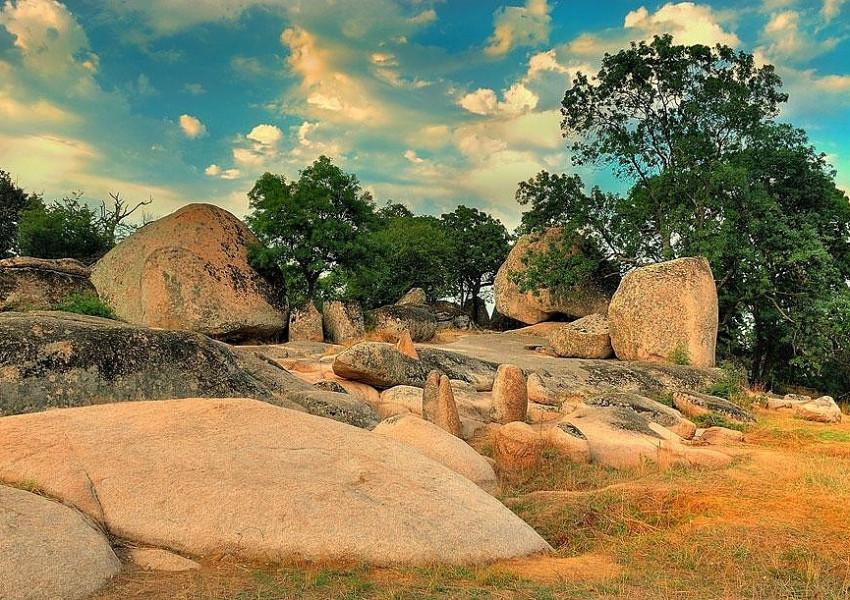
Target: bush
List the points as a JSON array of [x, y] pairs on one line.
[[731, 385], [715, 420], [85, 304]]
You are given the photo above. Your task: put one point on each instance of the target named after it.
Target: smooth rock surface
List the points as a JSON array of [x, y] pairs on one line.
[[189, 270], [274, 484], [531, 308], [439, 445], [666, 312], [157, 559], [653, 411], [49, 551]]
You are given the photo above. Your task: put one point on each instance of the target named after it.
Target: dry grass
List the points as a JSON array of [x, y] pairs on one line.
[[774, 525]]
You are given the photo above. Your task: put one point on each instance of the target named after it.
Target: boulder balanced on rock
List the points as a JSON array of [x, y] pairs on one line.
[[190, 270], [666, 312]]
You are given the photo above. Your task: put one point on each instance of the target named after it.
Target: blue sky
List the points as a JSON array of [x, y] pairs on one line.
[[430, 103]]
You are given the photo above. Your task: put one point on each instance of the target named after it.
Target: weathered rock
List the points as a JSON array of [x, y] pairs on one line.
[[418, 321], [477, 309], [500, 322], [274, 484], [439, 445], [431, 397], [446, 416], [721, 436], [585, 338], [650, 409], [450, 315], [305, 324], [517, 446], [409, 397], [190, 270], [330, 386], [39, 284], [157, 559], [343, 321], [49, 551], [414, 296], [666, 312], [533, 308], [406, 347], [822, 410], [471, 405], [510, 394], [383, 366], [692, 404]]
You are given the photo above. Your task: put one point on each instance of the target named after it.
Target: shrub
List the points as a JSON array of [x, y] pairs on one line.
[[86, 304], [715, 420], [679, 356]]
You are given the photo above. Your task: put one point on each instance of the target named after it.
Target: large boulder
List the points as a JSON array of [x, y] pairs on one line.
[[207, 477], [342, 321], [450, 315], [58, 360], [305, 324], [439, 445], [531, 308], [190, 270], [419, 321], [666, 312], [584, 338], [49, 551], [822, 410], [39, 284], [383, 366]]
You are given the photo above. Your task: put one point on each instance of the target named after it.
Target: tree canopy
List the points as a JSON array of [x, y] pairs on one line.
[[310, 226], [13, 201]]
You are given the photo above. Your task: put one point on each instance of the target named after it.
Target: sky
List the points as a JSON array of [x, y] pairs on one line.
[[431, 103]]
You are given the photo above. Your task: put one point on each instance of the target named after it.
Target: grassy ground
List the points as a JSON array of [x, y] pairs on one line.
[[775, 524]]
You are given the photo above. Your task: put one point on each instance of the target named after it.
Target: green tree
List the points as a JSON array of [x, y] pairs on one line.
[[405, 251], [64, 229], [311, 226], [691, 129], [479, 245], [13, 201]]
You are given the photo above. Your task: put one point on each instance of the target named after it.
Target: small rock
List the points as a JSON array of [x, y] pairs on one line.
[[414, 296], [419, 321], [721, 436], [585, 338], [510, 394], [517, 446], [821, 410], [156, 559], [406, 347], [430, 397]]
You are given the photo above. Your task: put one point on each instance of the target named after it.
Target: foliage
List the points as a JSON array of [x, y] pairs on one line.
[[310, 226], [714, 420], [13, 201], [479, 244], [405, 251], [65, 229], [679, 356], [691, 128], [732, 384], [86, 304]]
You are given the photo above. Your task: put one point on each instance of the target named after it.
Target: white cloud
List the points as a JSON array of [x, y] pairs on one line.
[[831, 9], [790, 38], [411, 156], [482, 101], [192, 127], [213, 170], [517, 99], [688, 22], [517, 26], [543, 62], [267, 135], [231, 174]]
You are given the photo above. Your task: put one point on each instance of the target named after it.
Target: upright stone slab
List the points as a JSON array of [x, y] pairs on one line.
[[510, 394], [342, 321], [305, 324]]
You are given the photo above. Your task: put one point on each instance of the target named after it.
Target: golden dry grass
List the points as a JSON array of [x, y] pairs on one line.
[[774, 525]]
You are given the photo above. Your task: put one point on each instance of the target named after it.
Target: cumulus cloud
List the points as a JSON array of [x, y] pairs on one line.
[[266, 135], [192, 127], [213, 170], [517, 99], [517, 26], [831, 9], [790, 36], [688, 22]]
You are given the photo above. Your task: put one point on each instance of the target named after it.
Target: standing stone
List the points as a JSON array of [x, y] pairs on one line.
[[305, 324], [447, 417], [510, 394], [430, 396], [406, 347], [414, 296], [343, 321], [666, 312], [585, 338]]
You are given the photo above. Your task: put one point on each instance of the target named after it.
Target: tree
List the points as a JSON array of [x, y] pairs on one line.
[[405, 251], [13, 201], [310, 226], [64, 229], [479, 246], [691, 129]]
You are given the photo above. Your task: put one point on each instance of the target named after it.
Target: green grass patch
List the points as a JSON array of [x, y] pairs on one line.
[[715, 420], [86, 304]]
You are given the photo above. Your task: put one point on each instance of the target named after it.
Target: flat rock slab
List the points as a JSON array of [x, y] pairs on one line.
[[694, 403], [49, 551], [207, 477]]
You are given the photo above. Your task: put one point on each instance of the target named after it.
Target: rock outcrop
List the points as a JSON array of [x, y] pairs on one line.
[[383, 366], [822, 410], [418, 321], [274, 484], [48, 550], [39, 284], [414, 296], [587, 337], [190, 270], [343, 321], [531, 308], [693, 404], [666, 312], [305, 324], [650, 409], [439, 445], [450, 315]]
